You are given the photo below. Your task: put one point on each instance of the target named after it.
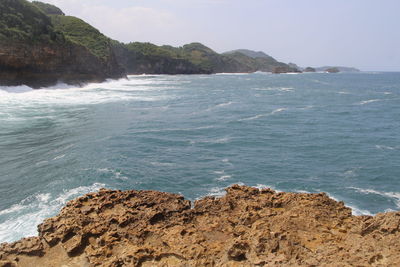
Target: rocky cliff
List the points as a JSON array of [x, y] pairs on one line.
[[40, 45], [246, 227], [36, 49], [44, 64], [259, 61]]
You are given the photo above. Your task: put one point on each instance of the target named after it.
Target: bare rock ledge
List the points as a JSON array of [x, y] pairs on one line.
[[246, 227]]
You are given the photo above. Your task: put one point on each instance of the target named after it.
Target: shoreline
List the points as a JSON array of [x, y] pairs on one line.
[[246, 227], [82, 83]]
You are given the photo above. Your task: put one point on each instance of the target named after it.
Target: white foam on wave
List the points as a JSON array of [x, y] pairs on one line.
[[59, 157], [162, 164], [263, 186], [232, 74], [94, 93], [306, 107], [224, 104], [212, 141], [263, 115], [21, 103], [383, 147], [369, 101], [116, 174], [355, 210], [301, 191], [222, 176], [24, 217], [221, 105], [176, 129], [280, 89], [395, 196]]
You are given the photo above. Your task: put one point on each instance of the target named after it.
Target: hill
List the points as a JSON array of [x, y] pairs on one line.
[[259, 61], [41, 45], [339, 68]]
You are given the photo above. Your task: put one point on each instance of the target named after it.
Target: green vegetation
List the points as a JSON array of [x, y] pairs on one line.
[[80, 32], [195, 53], [48, 9], [21, 20], [149, 49]]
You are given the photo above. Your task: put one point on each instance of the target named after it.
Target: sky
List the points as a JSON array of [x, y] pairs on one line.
[[355, 33]]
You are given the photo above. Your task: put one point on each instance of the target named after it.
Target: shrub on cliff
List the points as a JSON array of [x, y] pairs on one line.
[[21, 20], [149, 49], [48, 9], [80, 32]]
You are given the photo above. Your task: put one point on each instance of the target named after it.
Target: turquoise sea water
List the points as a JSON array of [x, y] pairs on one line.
[[195, 135]]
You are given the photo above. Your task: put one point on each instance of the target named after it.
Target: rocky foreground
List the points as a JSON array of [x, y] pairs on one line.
[[246, 227]]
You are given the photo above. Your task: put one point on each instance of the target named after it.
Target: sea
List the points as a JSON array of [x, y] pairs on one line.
[[198, 134]]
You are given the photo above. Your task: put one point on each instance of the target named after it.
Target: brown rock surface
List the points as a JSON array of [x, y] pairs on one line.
[[246, 227], [44, 64]]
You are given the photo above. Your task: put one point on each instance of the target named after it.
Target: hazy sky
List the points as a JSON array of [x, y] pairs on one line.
[[359, 33]]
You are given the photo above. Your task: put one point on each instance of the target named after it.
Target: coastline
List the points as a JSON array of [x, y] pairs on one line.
[[246, 227]]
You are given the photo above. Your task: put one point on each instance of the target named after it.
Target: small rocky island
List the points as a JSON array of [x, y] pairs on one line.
[[246, 227]]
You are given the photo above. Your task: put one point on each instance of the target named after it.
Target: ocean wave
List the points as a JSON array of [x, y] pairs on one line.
[[233, 74], [395, 196], [94, 93], [223, 140], [162, 164], [59, 157], [306, 107], [216, 192], [280, 89], [24, 217], [383, 147], [263, 115], [355, 210], [320, 82], [116, 174], [369, 101], [175, 129], [263, 186], [350, 173], [222, 176], [221, 105], [224, 104]]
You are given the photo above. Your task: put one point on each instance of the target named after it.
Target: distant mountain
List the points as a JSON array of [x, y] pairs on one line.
[[339, 68], [250, 53], [260, 61]]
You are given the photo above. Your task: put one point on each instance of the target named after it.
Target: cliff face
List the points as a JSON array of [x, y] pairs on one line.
[[36, 52], [259, 61], [40, 46], [137, 61], [43, 64], [246, 227]]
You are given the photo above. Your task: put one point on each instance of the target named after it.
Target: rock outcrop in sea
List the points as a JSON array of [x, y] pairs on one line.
[[246, 227]]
